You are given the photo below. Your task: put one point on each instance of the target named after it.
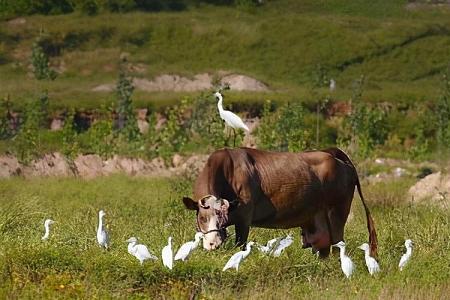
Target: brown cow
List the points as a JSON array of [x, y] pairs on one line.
[[248, 187]]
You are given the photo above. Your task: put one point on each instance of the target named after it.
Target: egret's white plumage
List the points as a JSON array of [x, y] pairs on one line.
[[268, 247], [405, 257], [238, 257], [47, 228], [102, 235], [167, 254], [188, 247], [230, 118], [283, 244], [347, 265], [371, 263], [139, 251], [332, 85]]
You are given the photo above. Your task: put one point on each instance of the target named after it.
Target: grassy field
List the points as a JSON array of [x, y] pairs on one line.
[[70, 264], [401, 51]]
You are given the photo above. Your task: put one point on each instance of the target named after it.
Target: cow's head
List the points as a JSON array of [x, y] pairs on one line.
[[212, 218]]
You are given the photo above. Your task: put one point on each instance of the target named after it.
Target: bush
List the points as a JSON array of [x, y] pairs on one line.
[[284, 129], [40, 62], [443, 113], [28, 140]]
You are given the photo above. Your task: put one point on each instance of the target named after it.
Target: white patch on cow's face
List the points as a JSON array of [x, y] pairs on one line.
[[212, 240]]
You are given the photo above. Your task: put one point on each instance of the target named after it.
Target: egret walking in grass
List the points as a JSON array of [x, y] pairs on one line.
[[167, 254], [268, 247], [405, 257], [347, 265], [47, 228], [188, 247], [238, 257], [231, 119], [283, 244], [139, 251], [371, 263], [102, 235]]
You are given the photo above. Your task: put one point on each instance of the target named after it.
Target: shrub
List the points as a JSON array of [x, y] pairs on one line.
[[28, 139], [443, 113], [174, 134], [40, 62], [70, 147], [365, 127], [126, 123], [284, 129], [99, 139], [5, 124]]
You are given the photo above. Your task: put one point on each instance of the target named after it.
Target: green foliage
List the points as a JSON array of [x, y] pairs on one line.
[[174, 134], [126, 123], [5, 123], [70, 147], [284, 129], [365, 127], [40, 62], [443, 112], [87, 7], [99, 138]]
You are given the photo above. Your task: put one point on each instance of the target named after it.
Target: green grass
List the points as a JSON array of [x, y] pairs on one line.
[[71, 265], [402, 52]]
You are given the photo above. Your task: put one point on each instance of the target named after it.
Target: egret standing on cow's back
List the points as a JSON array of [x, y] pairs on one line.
[[229, 117], [347, 265]]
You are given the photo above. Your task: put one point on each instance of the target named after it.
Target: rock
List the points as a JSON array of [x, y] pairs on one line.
[[167, 82], [399, 172], [89, 166], [239, 82], [17, 22], [9, 166], [380, 161], [56, 124], [142, 114], [107, 87], [177, 159], [435, 187], [53, 164], [143, 126]]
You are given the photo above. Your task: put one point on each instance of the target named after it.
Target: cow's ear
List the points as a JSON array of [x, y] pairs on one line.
[[190, 204], [224, 206]]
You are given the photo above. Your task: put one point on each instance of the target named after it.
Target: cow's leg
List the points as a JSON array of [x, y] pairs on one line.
[[338, 215], [242, 230], [317, 234], [305, 243]]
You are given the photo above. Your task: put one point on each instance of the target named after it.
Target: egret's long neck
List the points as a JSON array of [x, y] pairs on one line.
[[47, 231], [342, 252], [248, 248], [367, 253], [219, 103], [408, 250], [100, 223]]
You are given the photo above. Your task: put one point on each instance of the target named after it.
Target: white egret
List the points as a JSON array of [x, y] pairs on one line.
[[188, 247], [167, 254], [238, 257], [283, 244], [229, 117], [139, 251], [405, 257], [347, 265], [268, 247], [102, 235], [371, 263], [332, 85], [47, 228]]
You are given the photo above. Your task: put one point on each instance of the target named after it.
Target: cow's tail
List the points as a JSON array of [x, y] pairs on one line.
[[373, 242]]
